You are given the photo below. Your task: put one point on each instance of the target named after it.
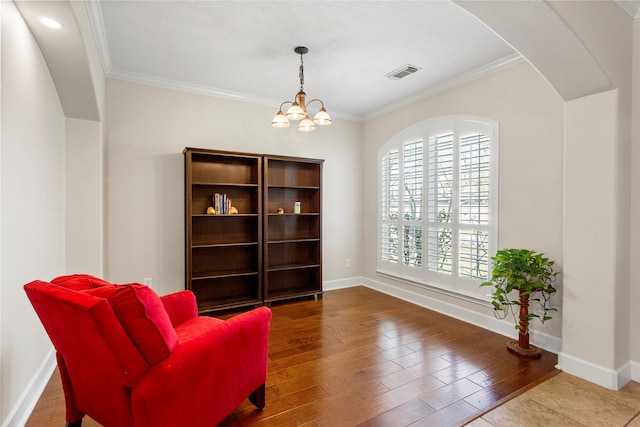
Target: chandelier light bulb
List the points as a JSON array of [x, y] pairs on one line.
[[295, 112], [306, 125], [322, 118], [280, 120]]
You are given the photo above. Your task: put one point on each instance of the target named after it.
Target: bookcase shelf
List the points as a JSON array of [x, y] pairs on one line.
[[223, 274], [223, 293]]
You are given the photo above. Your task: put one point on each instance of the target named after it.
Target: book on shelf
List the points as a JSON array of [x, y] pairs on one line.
[[216, 203], [221, 204]]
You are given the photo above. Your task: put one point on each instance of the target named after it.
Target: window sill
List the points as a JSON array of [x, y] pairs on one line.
[[484, 300]]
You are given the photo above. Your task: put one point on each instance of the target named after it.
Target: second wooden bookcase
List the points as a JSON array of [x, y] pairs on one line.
[[292, 227]]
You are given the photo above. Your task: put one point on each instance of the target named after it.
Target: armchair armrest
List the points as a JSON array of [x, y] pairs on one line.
[[181, 306], [217, 365]]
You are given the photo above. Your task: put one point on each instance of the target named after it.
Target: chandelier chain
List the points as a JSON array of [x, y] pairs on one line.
[[301, 74]]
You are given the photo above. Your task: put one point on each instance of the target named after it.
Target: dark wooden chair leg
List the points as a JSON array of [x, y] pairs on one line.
[[257, 397], [75, 424]]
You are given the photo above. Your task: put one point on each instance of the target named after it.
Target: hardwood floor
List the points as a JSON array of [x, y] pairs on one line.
[[358, 357]]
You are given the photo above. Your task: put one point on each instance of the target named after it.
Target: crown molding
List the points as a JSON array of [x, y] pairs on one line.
[[491, 68], [97, 26], [208, 91]]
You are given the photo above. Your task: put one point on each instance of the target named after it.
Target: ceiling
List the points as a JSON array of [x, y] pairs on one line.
[[244, 49]]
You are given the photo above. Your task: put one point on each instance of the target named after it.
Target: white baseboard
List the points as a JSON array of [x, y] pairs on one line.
[[488, 321], [20, 412], [608, 378], [635, 371], [597, 374], [341, 283]]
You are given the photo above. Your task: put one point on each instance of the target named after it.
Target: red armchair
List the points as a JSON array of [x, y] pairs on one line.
[[130, 358]]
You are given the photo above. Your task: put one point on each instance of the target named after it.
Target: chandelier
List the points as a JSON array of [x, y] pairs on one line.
[[298, 109]]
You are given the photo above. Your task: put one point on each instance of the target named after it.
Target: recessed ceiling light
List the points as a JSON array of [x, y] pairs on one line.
[[51, 23]]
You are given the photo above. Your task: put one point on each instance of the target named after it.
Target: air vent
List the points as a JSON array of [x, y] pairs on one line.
[[401, 72]]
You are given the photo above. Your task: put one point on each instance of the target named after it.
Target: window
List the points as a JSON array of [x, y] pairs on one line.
[[438, 197]]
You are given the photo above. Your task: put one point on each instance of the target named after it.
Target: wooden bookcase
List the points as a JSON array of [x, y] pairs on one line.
[[223, 251], [292, 241]]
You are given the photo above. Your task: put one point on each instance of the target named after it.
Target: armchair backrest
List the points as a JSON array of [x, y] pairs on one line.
[[99, 357]]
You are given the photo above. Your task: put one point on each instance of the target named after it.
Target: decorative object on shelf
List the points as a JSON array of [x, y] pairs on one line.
[[233, 210], [298, 109], [211, 210], [296, 207], [280, 211], [533, 276]]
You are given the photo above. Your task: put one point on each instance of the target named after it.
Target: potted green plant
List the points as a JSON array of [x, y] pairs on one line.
[[532, 275]]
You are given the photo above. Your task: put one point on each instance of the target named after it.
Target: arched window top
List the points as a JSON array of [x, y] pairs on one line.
[[441, 124]]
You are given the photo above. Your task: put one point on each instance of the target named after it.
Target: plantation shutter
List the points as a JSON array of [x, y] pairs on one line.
[[474, 205], [389, 206], [412, 185], [441, 203]]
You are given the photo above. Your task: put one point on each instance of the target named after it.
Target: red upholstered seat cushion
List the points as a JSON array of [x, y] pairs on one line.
[[79, 282], [143, 317]]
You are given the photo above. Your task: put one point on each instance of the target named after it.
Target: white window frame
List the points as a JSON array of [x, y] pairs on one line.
[[421, 275]]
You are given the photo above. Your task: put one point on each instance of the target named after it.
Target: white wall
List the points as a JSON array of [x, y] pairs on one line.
[[530, 116], [146, 131], [607, 31], [84, 197], [591, 257], [634, 300], [33, 197]]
